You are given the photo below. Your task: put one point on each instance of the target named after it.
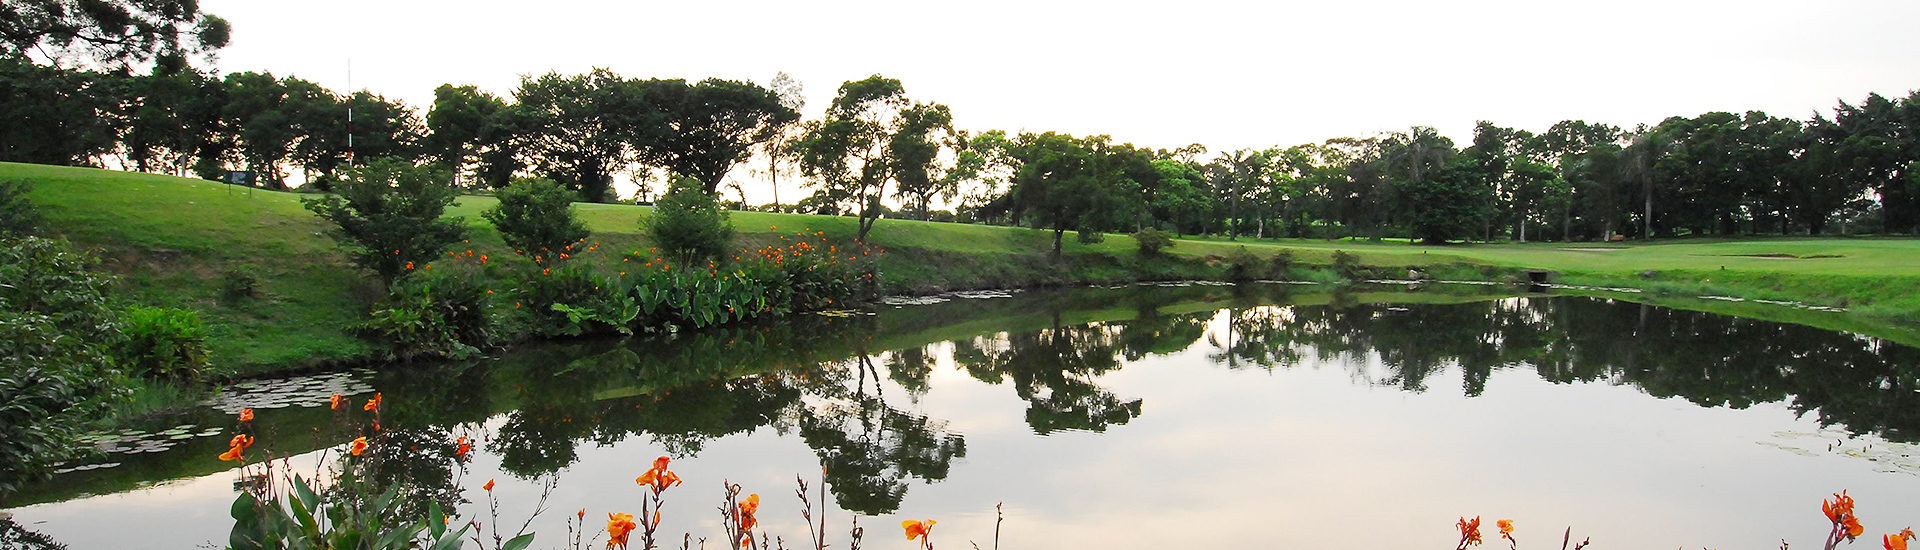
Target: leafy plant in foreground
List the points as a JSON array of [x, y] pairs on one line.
[[56, 372]]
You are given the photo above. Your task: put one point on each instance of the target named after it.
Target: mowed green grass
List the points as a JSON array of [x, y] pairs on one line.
[[173, 239]]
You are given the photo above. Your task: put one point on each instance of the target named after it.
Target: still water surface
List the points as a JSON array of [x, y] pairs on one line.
[[1129, 418]]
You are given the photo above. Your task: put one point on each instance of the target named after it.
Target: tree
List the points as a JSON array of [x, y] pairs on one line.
[[1637, 164], [459, 117], [1446, 204], [110, 32], [1236, 174], [52, 116], [848, 153], [387, 215], [1180, 196], [929, 157], [779, 148], [257, 114], [535, 215], [575, 129], [702, 131], [1062, 182]]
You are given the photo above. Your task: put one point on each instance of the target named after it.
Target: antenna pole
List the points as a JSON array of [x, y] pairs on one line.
[[350, 94]]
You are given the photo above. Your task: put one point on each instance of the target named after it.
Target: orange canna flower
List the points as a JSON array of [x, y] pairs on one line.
[[246, 415], [1896, 542], [619, 527], [1506, 527], [359, 445], [372, 404], [1469, 532], [488, 486], [916, 529], [464, 447], [242, 442], [231, 455], [338, 401]]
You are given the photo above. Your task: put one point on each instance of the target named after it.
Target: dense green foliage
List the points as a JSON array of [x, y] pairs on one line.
[[388, 215], [164, 344], [111, 32], [535, 217], [18, 217], [57, 373], [688, 224], [435, 315]]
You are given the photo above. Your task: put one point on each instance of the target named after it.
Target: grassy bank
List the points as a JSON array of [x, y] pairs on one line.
[[179, 242]]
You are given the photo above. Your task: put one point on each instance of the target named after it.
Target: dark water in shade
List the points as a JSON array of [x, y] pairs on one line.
[[1125, 418]]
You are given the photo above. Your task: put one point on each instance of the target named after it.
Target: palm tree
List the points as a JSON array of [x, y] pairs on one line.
[[1637, 163]]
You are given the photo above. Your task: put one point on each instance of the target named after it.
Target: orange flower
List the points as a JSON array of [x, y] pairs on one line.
[[231, 455], [372, 404], [359, 445], [464, 447], [916, 529], [746, 509], [338, 401], [619, 527], [242, 442], [488, 486], [1469, 532], [246, 415], [658, 478], [1897, 541], [1506, 528]]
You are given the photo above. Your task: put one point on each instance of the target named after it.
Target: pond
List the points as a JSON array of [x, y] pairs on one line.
[[1140, 417]]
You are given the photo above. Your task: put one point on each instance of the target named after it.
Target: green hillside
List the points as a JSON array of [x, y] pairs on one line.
[[175, 241]]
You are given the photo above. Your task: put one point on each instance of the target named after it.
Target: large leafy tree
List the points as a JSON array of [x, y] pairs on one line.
[[110, 32], [703, 130], [849, 153], [51, 116], [1065, 183], [575, 129], [458, 123], [535, 216], [930, 158], [1880, 140]]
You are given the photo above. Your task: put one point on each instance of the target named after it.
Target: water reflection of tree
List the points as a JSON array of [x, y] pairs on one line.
[[1708, 359], [870, 450], [1053, 370]]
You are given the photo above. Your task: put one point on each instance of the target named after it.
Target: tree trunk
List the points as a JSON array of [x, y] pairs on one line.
[[1057, 232]]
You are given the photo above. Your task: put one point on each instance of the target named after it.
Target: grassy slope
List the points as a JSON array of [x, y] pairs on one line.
[[172, 239]]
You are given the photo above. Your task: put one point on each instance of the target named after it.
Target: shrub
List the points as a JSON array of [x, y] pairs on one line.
[[164, 344], [236, 284], [1347, 264], [1242, 265], [428, 315], [1281, 263], [388, 215], [688, 224], [535, 216], [1152, 241], [55, 372], [572, 301], [1092, 237], [18, 217]]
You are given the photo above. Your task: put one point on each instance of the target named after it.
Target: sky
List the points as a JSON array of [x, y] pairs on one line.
[[1228, 75]]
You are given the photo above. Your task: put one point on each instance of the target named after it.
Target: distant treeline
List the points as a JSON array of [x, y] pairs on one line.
[[1857, 171]]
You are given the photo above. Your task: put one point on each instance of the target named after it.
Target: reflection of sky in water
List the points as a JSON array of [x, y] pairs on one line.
[[1307, 456]]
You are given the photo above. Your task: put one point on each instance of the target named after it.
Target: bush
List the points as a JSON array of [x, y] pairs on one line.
[[1348, 265], [1281, 264], [388, 216], [236, 284], [18, 217], [1092, 237], [55, 372], [428, 315], [1152, 241], [1242, 265], [688, 224], [164, 344], [535, 217], [572, 301]]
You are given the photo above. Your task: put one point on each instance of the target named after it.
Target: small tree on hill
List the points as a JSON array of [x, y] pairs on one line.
[[535, 216], [688, 224], [388, 216]]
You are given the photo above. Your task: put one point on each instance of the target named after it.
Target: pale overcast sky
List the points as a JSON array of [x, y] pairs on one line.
[[1228, 75]]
